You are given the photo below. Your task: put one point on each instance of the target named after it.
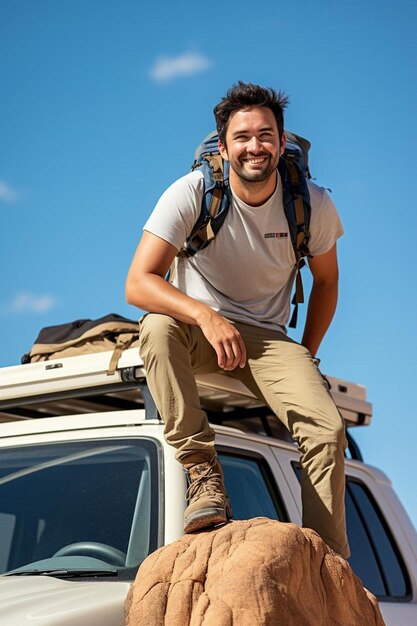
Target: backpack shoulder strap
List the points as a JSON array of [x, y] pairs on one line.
[[215, 205], [297, 207]]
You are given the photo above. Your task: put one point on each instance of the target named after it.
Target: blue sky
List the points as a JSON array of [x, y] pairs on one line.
[[102, 104]]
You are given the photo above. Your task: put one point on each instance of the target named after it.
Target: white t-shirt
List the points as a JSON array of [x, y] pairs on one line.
[[247, 272]]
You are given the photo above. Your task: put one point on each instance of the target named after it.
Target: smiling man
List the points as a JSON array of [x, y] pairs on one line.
[[227, 309]]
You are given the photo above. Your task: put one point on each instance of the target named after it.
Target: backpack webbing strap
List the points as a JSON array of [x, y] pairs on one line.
[[298, 297], [123, 342], [216, 163]]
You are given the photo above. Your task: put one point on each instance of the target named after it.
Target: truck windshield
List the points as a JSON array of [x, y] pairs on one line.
[[79, 506]]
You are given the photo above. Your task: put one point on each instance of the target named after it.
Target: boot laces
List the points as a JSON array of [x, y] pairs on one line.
[[208, 481]]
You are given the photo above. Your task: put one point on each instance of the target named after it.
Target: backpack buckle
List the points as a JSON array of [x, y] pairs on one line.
[[198, 240]]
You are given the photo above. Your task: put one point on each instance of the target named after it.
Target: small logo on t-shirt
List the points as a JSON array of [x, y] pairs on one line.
[[276, 236]]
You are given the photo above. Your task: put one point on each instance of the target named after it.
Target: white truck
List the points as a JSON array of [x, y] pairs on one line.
[[88, 488]]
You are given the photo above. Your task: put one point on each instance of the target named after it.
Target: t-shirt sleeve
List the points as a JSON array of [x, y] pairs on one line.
[[325, 224], [177, 210]]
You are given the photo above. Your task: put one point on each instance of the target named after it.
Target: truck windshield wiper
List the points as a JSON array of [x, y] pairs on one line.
[[65, 573]]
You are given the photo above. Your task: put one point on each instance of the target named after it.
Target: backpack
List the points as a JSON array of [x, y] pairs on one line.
[[294, 172], [111, 332]]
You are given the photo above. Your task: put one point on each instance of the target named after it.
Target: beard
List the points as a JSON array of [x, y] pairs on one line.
[[257, 175]]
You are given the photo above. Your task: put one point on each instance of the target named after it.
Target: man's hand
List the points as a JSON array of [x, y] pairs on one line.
[[226, 340]]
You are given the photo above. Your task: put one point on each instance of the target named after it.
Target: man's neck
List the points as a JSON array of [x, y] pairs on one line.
[[253, 193]]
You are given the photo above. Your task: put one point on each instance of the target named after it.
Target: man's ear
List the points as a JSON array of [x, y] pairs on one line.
[[222, 150], [283, 143]]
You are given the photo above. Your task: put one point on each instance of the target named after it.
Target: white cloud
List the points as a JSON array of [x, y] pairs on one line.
[[7, 193], [25, 302], [185, 64]]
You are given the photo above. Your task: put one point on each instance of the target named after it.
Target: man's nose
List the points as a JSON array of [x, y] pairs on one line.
[[254, 145]]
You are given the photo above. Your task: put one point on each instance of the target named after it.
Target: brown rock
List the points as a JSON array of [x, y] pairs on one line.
[[249, 573]]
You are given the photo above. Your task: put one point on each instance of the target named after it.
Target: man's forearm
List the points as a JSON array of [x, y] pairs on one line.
[[321, 308], [153, 293]]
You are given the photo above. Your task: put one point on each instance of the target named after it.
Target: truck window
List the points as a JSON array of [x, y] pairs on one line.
[[87, 504], [7, 526], [251, 488], [375, 558]]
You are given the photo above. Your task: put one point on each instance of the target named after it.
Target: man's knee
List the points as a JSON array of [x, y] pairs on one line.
[[314, 432], [324, 451], [156, 333], [336, 432]]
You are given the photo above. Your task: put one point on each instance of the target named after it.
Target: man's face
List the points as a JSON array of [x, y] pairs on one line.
[[252, 144]]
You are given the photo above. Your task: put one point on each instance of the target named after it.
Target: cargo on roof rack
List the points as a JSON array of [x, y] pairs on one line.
[[80, 384]]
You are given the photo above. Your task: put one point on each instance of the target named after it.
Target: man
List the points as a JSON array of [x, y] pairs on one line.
[[227, 309]]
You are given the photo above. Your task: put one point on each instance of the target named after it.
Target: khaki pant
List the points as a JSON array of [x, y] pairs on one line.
[[278, 370]]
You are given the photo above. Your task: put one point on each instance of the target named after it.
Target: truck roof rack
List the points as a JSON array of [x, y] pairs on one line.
[[80, 384]]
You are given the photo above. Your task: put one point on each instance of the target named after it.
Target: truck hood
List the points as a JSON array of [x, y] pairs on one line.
[[47, 601]]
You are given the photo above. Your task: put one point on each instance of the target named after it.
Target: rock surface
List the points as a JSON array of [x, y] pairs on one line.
[[258, 572]]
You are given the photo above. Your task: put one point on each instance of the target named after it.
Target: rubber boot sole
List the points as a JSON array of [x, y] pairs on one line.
[[205, 519]]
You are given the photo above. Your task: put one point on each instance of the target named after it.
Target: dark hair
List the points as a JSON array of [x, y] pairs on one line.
[[243, 95]]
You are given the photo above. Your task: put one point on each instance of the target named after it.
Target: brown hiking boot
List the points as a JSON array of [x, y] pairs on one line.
[[206, 496]]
